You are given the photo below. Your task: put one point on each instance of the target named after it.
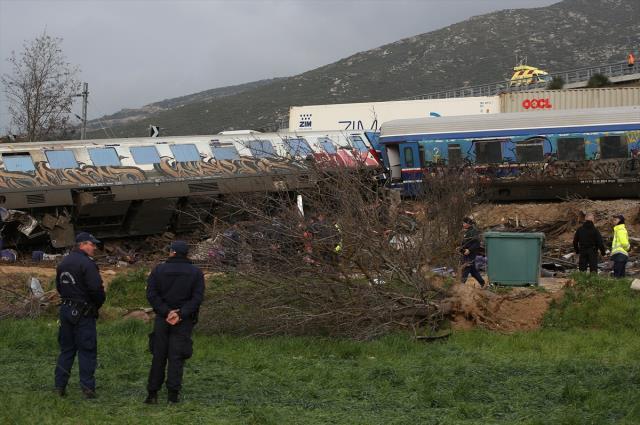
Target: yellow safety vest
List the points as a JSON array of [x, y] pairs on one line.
[[620, 243], [338, 248]]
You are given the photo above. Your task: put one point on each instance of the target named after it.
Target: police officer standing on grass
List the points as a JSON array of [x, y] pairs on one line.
[[80, 287], [175, 290], [586, 243]]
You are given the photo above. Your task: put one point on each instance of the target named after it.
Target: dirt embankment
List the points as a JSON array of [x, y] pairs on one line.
[[516, 309]]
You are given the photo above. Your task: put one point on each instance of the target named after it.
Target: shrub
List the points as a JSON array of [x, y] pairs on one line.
[[598, 80], [557, 83]]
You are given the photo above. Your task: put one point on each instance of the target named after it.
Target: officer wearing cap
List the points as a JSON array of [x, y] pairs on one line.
[[175, 290], [80, 287]]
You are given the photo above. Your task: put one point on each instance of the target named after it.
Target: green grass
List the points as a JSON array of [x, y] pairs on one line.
[[574, 371], [128, 290], [597, 303]]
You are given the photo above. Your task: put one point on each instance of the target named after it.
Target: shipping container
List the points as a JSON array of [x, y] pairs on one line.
[[370, 116], [540, 100]]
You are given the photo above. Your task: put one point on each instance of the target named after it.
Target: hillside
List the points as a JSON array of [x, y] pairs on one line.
[[126, 116], [568, 34]]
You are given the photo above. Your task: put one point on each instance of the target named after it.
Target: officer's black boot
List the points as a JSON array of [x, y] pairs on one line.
[[61, 391], [152, 398], [89, 393], [173, 396]]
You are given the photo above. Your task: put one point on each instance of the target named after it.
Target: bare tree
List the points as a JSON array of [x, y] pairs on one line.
[[359, 262], [40, 87]]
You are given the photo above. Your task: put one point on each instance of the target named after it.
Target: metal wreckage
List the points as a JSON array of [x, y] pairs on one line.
[[142, 186]]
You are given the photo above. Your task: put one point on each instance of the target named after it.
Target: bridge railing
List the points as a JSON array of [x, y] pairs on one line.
[[571, 76]]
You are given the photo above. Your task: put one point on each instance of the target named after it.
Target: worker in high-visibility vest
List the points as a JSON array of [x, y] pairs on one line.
[[327, 240], [619, 246], [631, 60]]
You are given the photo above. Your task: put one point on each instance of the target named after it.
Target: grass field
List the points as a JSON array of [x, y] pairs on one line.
[[581, 368]]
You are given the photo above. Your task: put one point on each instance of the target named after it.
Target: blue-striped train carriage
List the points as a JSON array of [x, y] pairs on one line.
[[591, 153], [138, 186]]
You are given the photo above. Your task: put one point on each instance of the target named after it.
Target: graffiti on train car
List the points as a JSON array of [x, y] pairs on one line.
[[566, 170], [549, 167], [210, 167], [82, 175]]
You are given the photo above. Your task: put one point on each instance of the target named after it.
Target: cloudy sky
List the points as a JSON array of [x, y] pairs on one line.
[[136, 52]]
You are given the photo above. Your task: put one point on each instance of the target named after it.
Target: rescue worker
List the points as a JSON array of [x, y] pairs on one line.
[[175, 290], [619, 246], [631, 60], [586, 243], [80, 287], [327, 240], [469, 250]]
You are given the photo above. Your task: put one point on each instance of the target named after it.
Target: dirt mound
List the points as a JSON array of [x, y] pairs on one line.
[[519, 309]]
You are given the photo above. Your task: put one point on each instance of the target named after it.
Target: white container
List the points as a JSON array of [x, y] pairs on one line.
[[371, 115]]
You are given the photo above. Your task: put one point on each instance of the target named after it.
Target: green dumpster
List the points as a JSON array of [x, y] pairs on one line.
[[513, 259]]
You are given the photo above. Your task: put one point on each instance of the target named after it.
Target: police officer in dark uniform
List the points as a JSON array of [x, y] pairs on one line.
[[586, 243], [80, 287], [175, 290]]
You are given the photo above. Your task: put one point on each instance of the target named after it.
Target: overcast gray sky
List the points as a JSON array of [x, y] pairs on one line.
[[136, 52]]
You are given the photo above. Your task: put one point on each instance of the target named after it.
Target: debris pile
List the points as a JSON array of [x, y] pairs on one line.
[[22, 295], [559, 221]]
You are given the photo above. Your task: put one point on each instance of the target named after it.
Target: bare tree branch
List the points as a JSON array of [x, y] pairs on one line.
[[40, 88]]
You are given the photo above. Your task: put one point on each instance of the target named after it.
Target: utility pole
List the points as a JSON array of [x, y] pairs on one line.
[[85, 97]]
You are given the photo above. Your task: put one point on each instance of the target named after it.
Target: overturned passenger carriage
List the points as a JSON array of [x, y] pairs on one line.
[[591, 153], [142, 186]]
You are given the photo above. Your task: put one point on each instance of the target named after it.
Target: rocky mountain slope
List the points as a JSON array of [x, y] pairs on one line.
[[566, 35]]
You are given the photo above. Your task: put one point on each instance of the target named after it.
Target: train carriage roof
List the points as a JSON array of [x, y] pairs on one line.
[[228, 137], [505, 124]]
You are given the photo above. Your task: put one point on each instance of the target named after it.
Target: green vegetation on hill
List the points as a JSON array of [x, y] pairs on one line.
[[567, 35], [581, 368]]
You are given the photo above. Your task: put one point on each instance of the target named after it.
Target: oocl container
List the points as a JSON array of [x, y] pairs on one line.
[[541, 100]]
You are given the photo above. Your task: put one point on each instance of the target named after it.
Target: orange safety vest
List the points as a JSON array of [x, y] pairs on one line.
[[631, 59]]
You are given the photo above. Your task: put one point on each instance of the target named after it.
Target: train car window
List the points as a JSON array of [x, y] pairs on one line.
[[488, 152], [261, 148], [327, 145], [454, 151], [408, 157], [61, 159], [298, 147], [18, 161], [185, 153], [358, 143], [530, 150], [613, 147], [571, 149], [104, 157], [145, 155], [225, 153]]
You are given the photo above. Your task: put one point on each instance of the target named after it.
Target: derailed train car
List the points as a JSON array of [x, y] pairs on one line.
[[142, 186], [592, 153]]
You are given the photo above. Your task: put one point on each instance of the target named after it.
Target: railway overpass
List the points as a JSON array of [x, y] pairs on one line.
[[618, 73]]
